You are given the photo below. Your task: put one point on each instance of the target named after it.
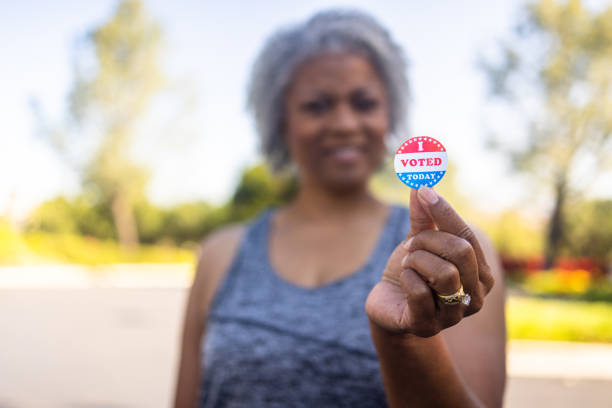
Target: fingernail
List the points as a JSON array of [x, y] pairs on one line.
[[405, 261], [428, 195], [407, 243]]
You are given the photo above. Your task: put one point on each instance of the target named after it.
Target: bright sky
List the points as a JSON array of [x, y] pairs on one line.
[[211, 45]]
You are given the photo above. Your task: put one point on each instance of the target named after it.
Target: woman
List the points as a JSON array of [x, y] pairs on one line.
[[335, 299]]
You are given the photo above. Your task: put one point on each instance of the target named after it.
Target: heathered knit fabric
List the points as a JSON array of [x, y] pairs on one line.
[[271, 343]]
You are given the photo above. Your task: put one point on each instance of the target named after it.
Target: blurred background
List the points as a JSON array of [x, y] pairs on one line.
[[124, 140]]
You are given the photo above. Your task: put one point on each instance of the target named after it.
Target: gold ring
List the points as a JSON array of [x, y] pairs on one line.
[[458, 297]]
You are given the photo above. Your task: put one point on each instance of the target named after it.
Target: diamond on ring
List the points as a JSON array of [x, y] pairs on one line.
[[458, 297]]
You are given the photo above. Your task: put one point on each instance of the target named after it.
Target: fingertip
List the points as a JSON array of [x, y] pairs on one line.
[[427, 195], [408, 242]]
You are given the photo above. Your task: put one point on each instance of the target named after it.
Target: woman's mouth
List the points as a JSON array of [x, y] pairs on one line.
[[345, 154]]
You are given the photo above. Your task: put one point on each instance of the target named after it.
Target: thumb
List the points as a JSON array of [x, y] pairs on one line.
[[420, 220]]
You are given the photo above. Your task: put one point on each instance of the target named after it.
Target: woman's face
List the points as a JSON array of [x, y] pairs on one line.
[[337, 119]]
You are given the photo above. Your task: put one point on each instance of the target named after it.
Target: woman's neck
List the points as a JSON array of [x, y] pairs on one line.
[[316, 202]]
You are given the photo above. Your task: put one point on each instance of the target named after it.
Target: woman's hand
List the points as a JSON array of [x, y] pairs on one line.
[[440, 254]]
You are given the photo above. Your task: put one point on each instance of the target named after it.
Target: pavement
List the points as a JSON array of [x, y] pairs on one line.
[[113, 342]]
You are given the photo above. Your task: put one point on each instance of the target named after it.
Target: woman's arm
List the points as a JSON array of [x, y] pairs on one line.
[[193, 329], [215, 256], [462, 366], [485, 374], [419, 372], [422, 365]]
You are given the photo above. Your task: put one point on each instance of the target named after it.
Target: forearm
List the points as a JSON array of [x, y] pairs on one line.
[[419, 372], [186, 391]]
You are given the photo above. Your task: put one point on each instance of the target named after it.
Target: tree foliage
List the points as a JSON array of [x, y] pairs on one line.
[[558, 70], [117, 74], [80, 215], [590, 230], [258, 189]]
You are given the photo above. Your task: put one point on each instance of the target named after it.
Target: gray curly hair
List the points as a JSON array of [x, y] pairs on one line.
[[340, 30]]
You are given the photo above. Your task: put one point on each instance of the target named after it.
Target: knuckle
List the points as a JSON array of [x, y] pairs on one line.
[[420, 292], [419, 240], [449, 274], [476, 304], [464, 249], [425, 234], [447, 211], [487, 278], [466, 233]]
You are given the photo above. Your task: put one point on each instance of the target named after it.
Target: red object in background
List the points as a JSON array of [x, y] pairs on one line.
[[515, 266], [591, 265], [535, 264], [531, 265]]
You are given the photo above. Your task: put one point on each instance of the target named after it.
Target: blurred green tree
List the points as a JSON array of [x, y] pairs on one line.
[[79, 215], [559, 68], [257, 189], [114, 95], [188, 222], [117, 76], [590, 230], [151, 221]]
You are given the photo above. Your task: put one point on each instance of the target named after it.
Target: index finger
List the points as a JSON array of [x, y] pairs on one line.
[[447, 220]]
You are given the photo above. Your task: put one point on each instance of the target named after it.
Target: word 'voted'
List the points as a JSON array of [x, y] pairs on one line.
[[421, 160]]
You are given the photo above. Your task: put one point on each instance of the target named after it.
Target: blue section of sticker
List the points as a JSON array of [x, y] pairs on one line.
[[418, 179]]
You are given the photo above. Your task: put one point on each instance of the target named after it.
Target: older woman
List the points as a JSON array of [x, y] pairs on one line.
[[337, 299]]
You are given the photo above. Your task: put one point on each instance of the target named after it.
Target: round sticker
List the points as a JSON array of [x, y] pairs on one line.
[[421, 161]]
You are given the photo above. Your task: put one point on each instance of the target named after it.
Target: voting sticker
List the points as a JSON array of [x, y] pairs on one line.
[[421, 161]]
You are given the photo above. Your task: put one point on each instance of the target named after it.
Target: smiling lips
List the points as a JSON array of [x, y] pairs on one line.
[[345, 154]]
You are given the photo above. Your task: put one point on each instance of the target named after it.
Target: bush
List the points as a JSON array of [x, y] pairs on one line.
[[589, 230], [577, 284], [80, 215], [559, 282], [258, 189]]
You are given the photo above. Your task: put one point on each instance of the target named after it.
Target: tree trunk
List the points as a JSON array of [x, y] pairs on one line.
[[123, 217], [556, 228]]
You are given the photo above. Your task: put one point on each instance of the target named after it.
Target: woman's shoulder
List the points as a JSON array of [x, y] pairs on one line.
[[220, 242], [214, 257]]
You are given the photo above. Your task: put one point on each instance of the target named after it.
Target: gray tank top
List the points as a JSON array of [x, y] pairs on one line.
[[270, 343]]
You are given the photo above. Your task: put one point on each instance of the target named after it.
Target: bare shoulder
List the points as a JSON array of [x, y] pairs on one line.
[[215, 255]]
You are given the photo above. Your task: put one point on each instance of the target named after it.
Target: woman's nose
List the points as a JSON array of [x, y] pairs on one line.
[[345, 120]]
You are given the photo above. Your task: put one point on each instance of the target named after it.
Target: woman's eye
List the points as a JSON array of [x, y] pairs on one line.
[[315, 107], [365, 105]]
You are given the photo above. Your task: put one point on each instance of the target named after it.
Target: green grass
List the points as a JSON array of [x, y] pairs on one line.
[[559, 320]]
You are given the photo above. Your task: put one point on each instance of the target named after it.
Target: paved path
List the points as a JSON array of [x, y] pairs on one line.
[[109, 347]]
